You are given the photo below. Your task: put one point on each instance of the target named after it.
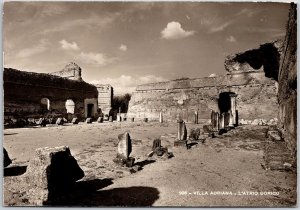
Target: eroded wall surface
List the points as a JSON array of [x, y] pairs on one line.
[[287, 79], [24, 91], [256, 97]]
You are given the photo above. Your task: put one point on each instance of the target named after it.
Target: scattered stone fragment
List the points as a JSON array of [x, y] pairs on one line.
[[6, 159], [59, 121], [194, 134], [100, 120], [124, 150], [207, 129], [88, 120], [156, 144], [51, 175], [42, 122], [75, 120], [274, 135]]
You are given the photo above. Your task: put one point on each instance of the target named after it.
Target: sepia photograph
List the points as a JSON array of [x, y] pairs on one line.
[[149, 104]]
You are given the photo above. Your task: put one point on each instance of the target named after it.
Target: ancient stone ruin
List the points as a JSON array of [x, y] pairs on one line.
[[58, 94], [51, 174], [124, 150]]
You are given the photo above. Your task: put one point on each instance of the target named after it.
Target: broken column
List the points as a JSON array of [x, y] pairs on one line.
[[124, 150], [161, 117], [100, 120], [226, 119], [233, 108], [119, 118], [110, 118], [196, 117], [51, 175], [181, 133], [222, 121], [231, 120]]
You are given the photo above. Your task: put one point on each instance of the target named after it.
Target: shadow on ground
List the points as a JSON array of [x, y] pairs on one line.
[[86, 194], [15, 170]]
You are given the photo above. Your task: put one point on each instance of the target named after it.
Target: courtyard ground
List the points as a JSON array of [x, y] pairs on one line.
[[229, 170]]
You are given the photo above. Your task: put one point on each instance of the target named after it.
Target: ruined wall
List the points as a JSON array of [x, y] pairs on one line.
[[287, 80], [71, 71], [105, 96], [24, 91], [256, 97]]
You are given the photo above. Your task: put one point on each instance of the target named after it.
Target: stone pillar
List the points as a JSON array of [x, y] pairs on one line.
[[179, 130], [196, 117], [217, 121], [236, 117], [110, 119], [161, 120], [231, 124], [124, 150], [119, 119], [222, 121], [226, 119], [233, 108]]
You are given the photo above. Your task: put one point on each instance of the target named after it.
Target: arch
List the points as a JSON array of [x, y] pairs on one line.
[[45, 104], [70, 106]]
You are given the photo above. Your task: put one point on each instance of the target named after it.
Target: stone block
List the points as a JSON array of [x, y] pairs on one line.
[[110, 119], [6, 159], [156, 144], [194, 134], [89, 120], [75, 120], [42, 122], [145, 119], [124, 145], [59, 121], [51, 175], [100, 120]]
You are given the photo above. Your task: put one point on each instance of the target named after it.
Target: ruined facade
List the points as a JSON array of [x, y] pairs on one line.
[[71, 71], [246, 79], [105, 96], [59, 94]]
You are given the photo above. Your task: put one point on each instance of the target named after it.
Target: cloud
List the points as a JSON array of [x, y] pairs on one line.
[[175, 31], [231, 39], [69, 46], [39, 48], [246, 12], [127, 84], [123, 47], [94, 58], [221, 27], [93, 22]]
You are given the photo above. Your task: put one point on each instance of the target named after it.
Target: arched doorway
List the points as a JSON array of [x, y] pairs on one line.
[[45, 104]]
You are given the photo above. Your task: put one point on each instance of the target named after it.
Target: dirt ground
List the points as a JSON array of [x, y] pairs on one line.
[[223, 171]]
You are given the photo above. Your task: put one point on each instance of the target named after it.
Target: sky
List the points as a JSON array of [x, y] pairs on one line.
[[129, 43]]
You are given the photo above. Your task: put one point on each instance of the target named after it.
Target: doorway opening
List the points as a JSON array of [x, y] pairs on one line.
[[224, 102], [90, 108]]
